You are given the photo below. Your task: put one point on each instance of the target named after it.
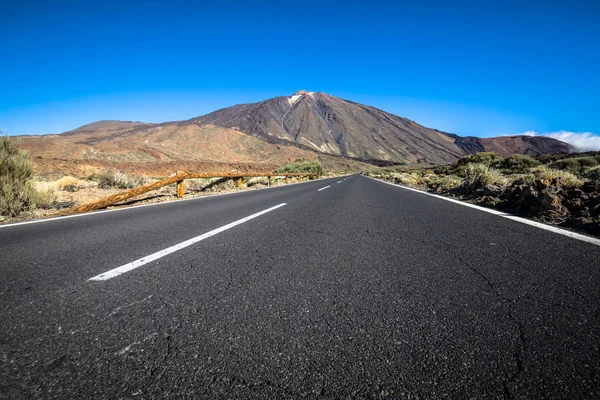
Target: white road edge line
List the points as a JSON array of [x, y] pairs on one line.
[[87, 214], [323, 188], [159, 254], [503, 214]]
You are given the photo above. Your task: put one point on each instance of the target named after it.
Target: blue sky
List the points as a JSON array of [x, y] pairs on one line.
[[471, 68]]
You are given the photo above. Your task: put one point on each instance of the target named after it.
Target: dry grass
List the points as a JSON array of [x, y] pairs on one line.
[[46, 193], [67, 181]]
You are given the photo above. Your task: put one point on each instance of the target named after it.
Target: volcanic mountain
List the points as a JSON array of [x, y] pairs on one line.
[[307, 125], [331, 125]]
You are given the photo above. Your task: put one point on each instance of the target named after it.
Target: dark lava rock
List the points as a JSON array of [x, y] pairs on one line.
[[590, 187], [489, 201], [574, 193], [70, 188], [59, 205]]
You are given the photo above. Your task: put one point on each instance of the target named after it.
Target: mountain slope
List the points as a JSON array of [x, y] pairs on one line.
[[150, 144], [335, 126], [160, 142]]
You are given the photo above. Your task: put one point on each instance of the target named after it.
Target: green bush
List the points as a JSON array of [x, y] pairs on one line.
[[485, 157], [16, 172], [576, 165], [516, 164], [592, 174], [443, 170], [299, 166]]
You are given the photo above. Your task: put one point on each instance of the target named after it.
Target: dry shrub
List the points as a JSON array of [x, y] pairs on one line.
[[551, 176], [119, 179], [408, 179], [445, 183], [429, 178], [221, 185], [478, 176], [258, 181], [523, 179], [87, 184], [196, 185]]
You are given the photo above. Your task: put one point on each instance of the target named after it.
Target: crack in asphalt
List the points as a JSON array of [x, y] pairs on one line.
[[522, 346]]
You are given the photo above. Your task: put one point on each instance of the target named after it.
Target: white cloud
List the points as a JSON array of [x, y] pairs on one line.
[[584, 141]]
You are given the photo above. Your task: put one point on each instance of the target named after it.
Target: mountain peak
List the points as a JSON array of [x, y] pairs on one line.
[[330, 125], [293, 99]]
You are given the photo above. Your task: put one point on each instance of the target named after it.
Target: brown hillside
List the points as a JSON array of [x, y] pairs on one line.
[[156, 149], [528, 145]]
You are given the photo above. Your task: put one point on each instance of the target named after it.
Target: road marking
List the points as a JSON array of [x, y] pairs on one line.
[[87, 214], [323, 188], [339, 181], [503, 214], [159, 254]]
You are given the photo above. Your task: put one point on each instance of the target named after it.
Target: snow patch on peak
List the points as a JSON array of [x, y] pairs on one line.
[[295, 98]]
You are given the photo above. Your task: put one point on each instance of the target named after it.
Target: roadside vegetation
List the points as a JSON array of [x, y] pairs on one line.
[[562, 190], [299, 166], [23, 195], [18, 191], [118, 179]]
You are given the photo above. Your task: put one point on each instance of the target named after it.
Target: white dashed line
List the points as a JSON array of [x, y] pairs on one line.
[[339, 181], [323, 188], [159, 254]]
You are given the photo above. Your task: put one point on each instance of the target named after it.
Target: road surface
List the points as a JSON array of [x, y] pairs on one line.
[[337, 288]]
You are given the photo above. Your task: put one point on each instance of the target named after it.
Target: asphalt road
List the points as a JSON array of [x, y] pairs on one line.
[[360, 290]]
